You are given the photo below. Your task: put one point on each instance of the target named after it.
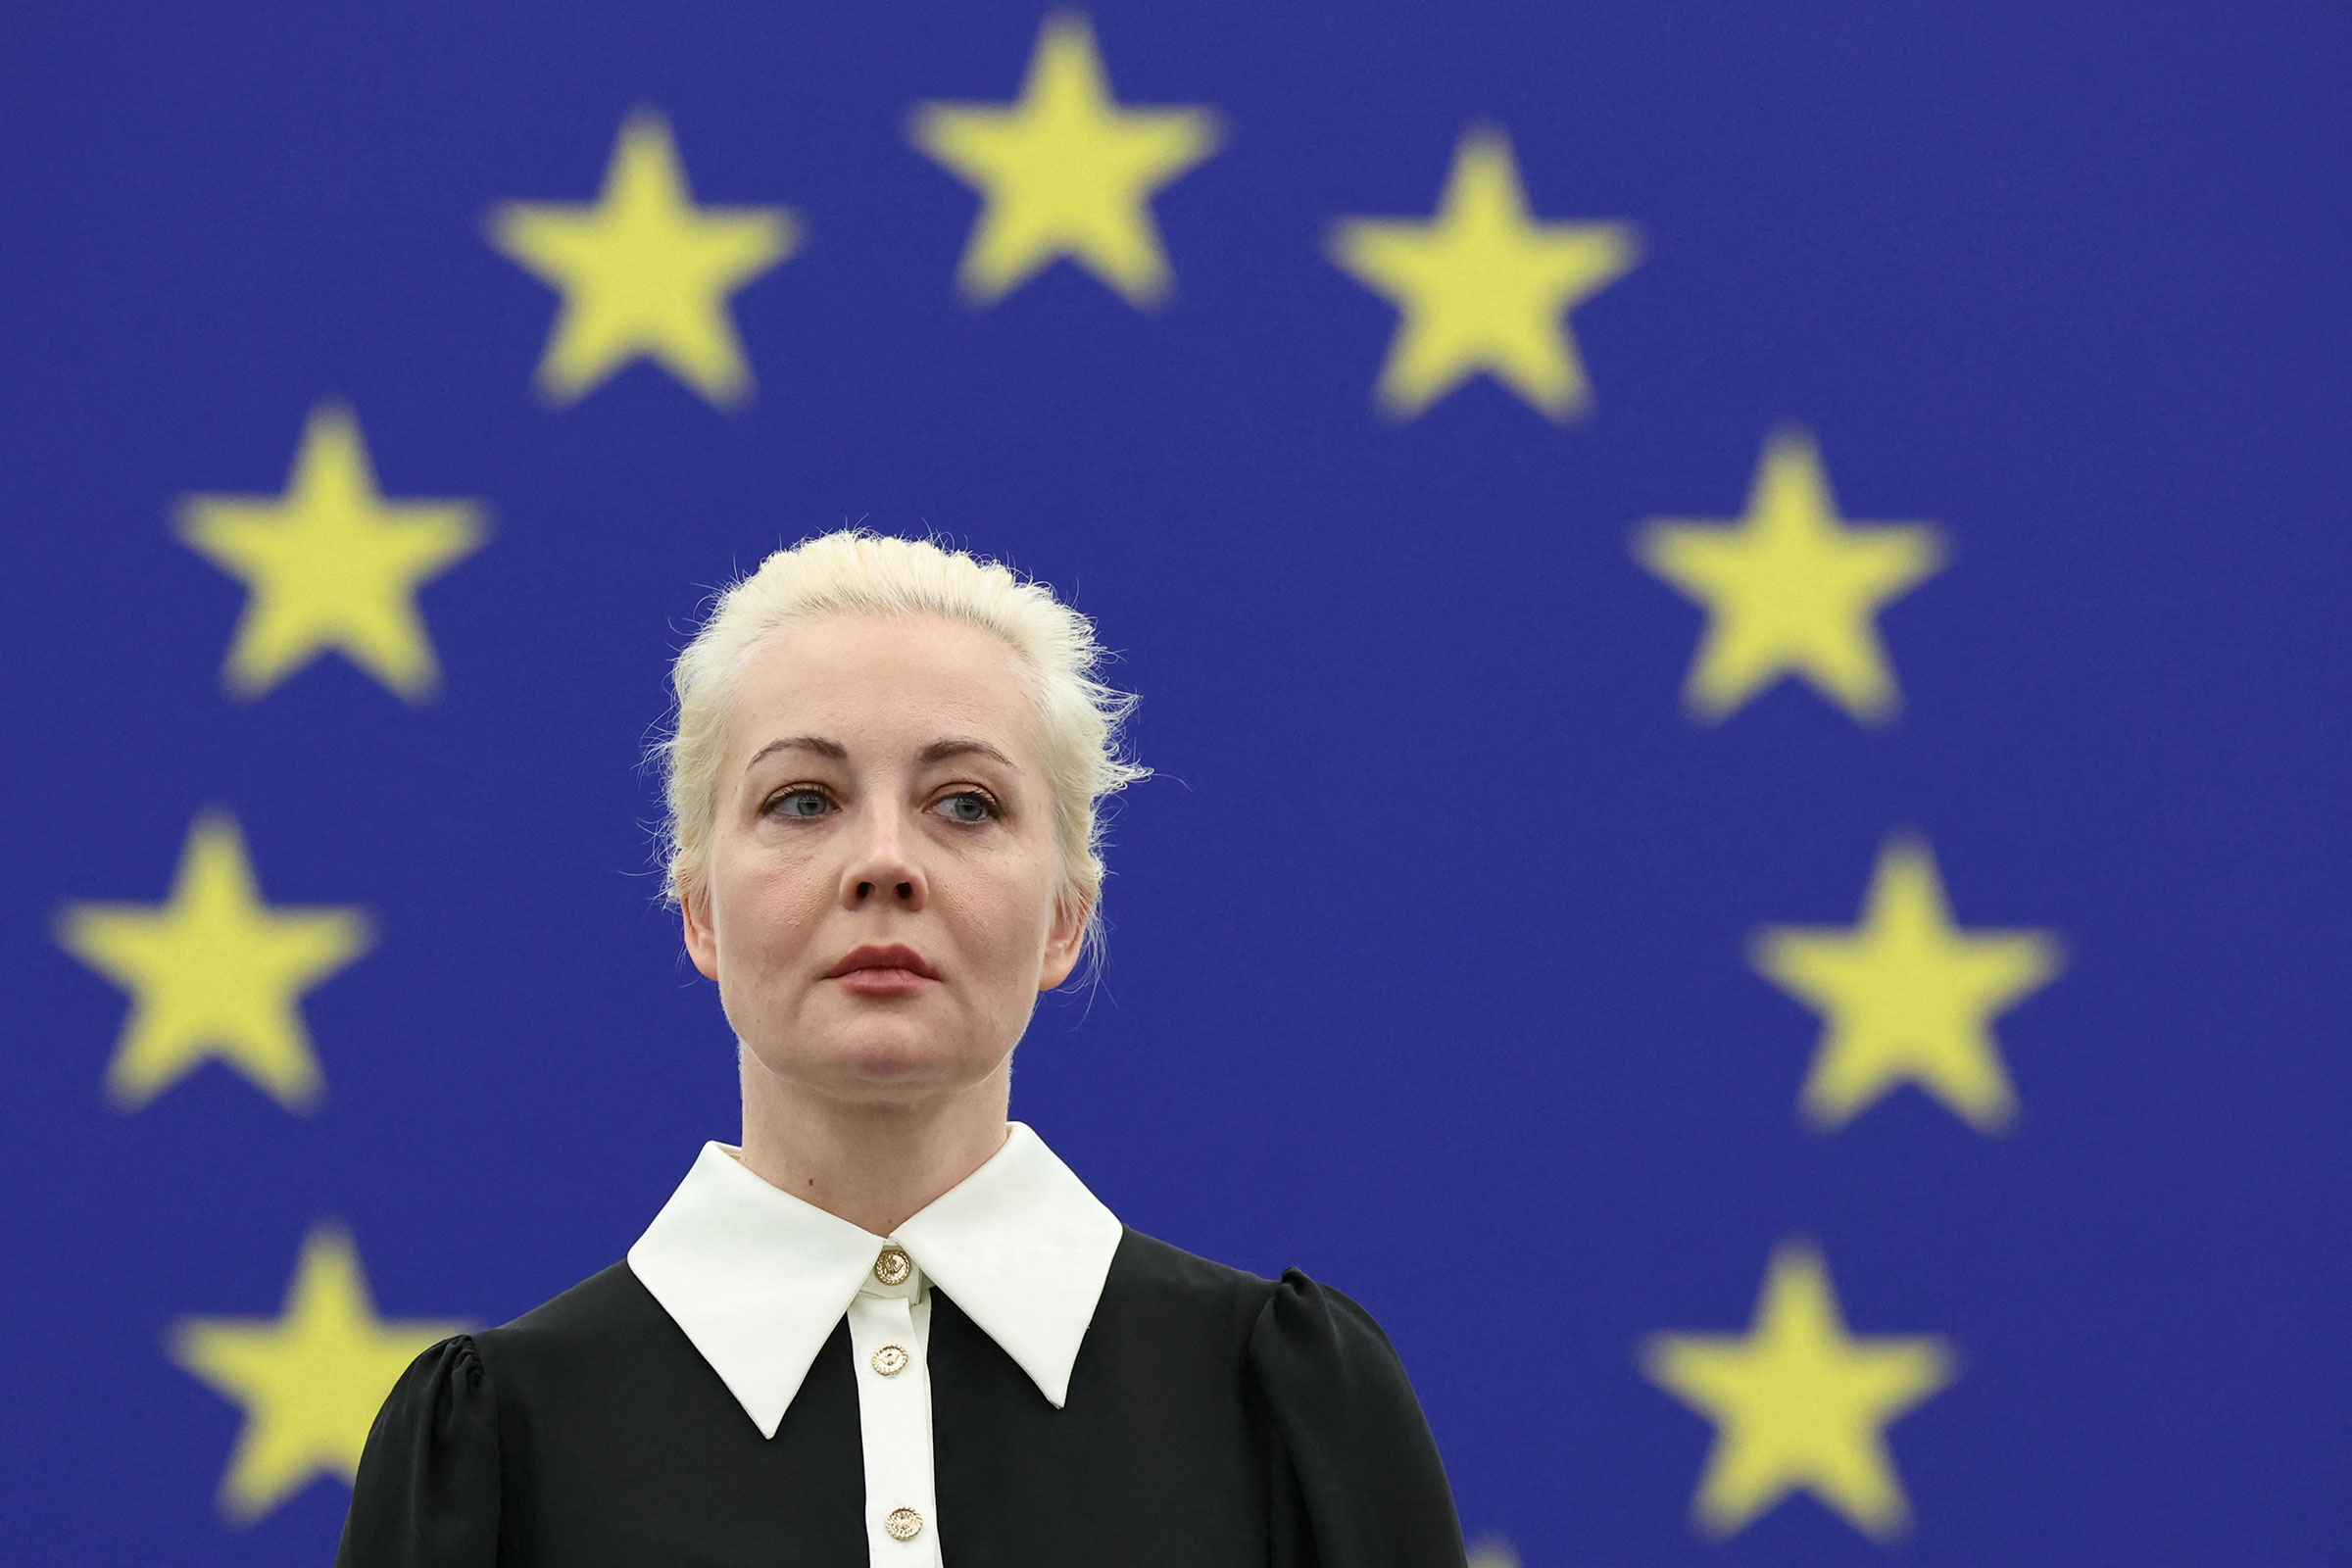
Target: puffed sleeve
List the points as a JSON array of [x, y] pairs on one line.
[[427, 1491], [1361, 1485]]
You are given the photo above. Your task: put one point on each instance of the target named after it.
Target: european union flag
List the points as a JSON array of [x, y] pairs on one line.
[[1739, 618]]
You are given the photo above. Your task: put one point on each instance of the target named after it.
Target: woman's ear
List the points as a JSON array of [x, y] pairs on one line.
[[1066, 940], [702, 942]]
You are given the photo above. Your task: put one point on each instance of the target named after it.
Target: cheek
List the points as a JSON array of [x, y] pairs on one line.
[[773, 913], [1005, 914]]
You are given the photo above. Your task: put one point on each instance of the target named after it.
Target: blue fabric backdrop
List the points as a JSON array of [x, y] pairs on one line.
[[1444, 958]]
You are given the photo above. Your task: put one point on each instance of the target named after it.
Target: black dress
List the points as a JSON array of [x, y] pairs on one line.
[[1214, 1418]]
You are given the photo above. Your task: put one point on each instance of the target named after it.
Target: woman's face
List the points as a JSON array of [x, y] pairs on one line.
[[879, 903]]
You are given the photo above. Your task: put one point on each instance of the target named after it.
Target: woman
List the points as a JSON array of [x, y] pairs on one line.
[[891, 1327]]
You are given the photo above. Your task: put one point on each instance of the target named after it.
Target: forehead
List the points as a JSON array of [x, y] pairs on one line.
[[882, 683]]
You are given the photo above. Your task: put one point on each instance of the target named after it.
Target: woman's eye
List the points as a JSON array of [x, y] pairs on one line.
[[967, 807], [800, 803]]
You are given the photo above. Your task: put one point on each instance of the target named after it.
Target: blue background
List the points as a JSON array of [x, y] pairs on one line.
[[1426, 963]]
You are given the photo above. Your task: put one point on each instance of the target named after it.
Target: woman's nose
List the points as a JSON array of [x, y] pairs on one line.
[[882, 867]]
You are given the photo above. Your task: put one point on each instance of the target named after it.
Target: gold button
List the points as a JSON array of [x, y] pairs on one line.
[[890, 1360], [893, 1268], [904, 1524]]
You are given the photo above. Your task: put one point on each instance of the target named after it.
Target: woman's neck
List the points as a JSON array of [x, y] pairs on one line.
[[873, 1164]]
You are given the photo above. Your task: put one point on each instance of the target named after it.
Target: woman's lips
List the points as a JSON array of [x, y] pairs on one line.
[[881, 982], [889, 971]]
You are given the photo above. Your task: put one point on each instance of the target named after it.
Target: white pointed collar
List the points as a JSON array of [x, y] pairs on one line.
[[758, 1279]]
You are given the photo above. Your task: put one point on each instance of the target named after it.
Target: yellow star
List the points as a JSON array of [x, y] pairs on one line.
[[1483, 288], [214, 971], [331, 565], [1908, 997], [1799, 1402], [643, 271], [310, 1380], [1065, 172], [1790, 590]]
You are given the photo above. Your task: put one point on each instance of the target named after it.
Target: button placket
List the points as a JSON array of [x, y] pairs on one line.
[[889, 1334]]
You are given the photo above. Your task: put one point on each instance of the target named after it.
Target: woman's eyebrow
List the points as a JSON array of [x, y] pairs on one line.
[[941, 750], [801, 743]]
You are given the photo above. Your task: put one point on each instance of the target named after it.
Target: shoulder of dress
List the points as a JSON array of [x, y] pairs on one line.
[[606, 1303], [1147, 1269], [1301, 1304], [1371, 1483], [1310, 1339], [451, 1367], [1147, 1259]]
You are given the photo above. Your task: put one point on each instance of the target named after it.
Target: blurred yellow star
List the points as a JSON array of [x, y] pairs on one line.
[[332, 566], [213, 973], [1065, 172], [643, 271], [1482, 286], [310, 1380], [1907, 996], [1798, 1403], [1790, 589]]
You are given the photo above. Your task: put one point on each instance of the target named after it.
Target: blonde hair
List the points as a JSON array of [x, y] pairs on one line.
[[856, 573]]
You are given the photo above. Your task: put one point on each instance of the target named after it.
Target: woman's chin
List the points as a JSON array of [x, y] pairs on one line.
[[880, 1062]]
